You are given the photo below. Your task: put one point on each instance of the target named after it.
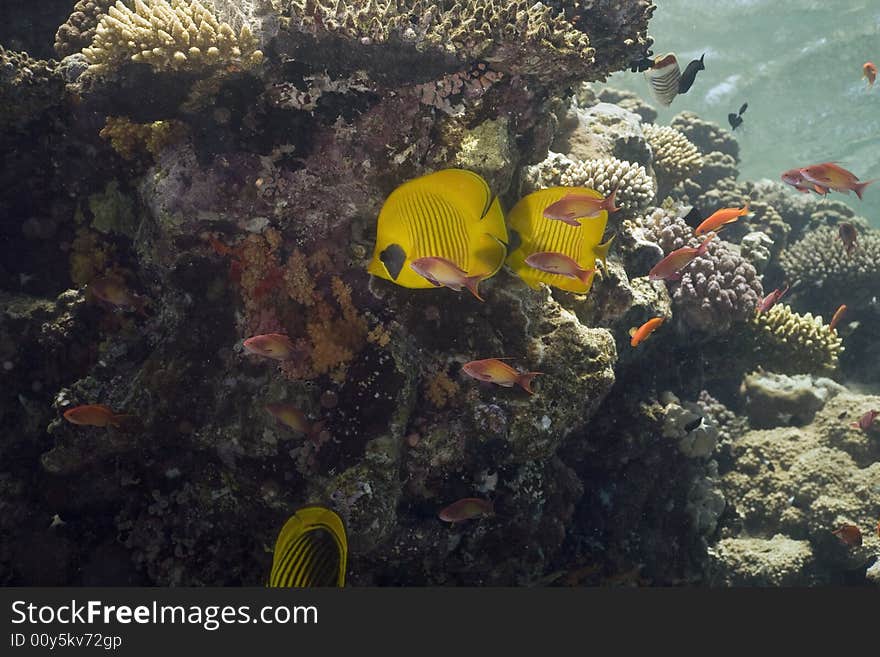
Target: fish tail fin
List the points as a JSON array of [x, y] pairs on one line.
[[859, 188], [525, 381], [608, 203], [471, 282], [583, 275], [701, 250], [601, 252], [123, 421]]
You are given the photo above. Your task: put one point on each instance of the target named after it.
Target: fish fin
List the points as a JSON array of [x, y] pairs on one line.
[[525, 381], [600, 251], [471, 282], [858, 188], [633, 331], [701, 250], [745, 210], [310, 533], [608, 203], [123, 421], [584, 275]]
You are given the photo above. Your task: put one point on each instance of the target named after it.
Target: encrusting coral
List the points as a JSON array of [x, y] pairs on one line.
[[28, 87], [604, 175], [175, 36], [129, 139], [675, 157]]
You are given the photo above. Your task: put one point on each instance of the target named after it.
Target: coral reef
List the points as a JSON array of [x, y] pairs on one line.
[[28, 87], [602, 130], [675, 158], [168, 36], [603, 175], [130, 139], [79, 29]]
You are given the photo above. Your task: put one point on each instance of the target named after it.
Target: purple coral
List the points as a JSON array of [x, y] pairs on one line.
[[716, 290]]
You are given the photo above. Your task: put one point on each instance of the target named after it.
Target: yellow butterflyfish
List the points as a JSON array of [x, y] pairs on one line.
[[449, 214], [534, 233], [311, 550]]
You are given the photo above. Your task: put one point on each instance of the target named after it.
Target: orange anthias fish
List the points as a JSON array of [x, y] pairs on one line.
[[848, 235], [771, 300], [442, 272], [559, 263], [866, 421], [796, 179], [849, 535], [869, 70], [270, 345], [669, 269], [114, 292], [572, 207], [94, 415], [290, 416], [720, 218], [465, 509], [492, 370], [838, 315], [835, 177], [642, 333]]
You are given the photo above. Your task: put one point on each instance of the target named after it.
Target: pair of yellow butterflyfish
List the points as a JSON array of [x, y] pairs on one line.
[[449, 224]]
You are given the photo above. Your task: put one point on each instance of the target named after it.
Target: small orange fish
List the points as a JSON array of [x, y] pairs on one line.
[[866, 421], [492, 370], [848, 235], [559, 263], [442, 272], [669, 269], [869, 70], [271, 345], [94, 415], [114, 292], [849, 535], [575, 206], [832, 176], [771, 300], [838, 315], [465, 509], [721, 218], [290, 416], [642, 333]]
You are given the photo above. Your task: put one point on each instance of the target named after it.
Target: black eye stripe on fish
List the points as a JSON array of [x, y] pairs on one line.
[[393, 258]]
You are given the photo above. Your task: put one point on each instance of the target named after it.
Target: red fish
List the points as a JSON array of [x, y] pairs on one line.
[[114, 292], [559, 263], [465, 509], [838, 315], [642, 333], [721, 218], [796, 179], [669, 269], [442, 272], [492, 370], [865, 421], [576, 206], [849, 535], [835, 177], [290, 416], [771, 300], [94, 415], [848, 235], [270, 345], [869, 70]]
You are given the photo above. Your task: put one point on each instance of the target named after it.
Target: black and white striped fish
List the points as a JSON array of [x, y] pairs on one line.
[[664, 78]]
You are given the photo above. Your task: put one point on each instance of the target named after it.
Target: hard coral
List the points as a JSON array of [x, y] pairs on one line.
[[175, 36], [130, 139], [784, 341], [80, 28], [636, 187], [28, 87], [705, 135], [675, 157]]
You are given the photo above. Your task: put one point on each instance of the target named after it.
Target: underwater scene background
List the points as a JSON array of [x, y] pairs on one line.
[[336, 264]]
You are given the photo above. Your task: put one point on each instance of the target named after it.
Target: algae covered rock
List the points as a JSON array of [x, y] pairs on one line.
[[778, 561]]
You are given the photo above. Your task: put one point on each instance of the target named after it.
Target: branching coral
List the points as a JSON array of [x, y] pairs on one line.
[[131, 139], [169, 36], [784, 341], [636, 187], [820, 261], [675, 157], [705, 135], [716, 290]]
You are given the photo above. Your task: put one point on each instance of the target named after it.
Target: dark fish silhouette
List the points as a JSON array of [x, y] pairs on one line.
[[690, 74], [643, 63], [735, 119]]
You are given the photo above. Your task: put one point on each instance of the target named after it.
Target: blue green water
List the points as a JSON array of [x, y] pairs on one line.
[[798, 64]]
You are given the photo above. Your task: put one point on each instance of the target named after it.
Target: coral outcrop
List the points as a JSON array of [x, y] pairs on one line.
[[674, 157]]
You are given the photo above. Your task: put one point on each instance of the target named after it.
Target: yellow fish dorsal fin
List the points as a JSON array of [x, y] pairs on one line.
[[471, 193], [311, 550]]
